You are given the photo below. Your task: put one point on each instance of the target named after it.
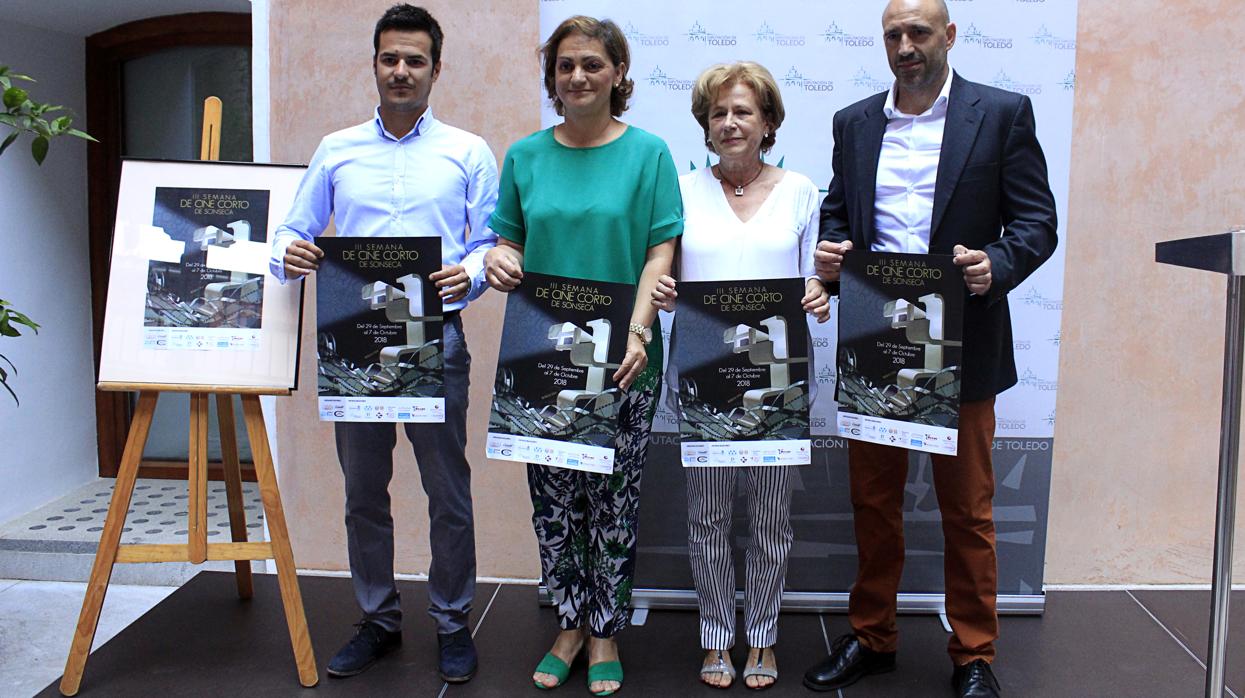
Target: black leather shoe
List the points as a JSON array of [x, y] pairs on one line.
[[849, 662], [975, 680], [370, 642], [458, 656]]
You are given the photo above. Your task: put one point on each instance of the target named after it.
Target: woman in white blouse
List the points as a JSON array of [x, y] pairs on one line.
[[743, 219]]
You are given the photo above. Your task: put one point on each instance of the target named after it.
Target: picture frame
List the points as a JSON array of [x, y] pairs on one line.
[[191, 300]]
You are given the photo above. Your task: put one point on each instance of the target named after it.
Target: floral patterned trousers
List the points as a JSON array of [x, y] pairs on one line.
[[586, 523]]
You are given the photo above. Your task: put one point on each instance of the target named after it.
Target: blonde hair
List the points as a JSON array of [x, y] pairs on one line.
[[753, 75]]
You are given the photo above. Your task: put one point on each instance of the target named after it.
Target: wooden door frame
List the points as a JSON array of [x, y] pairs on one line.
[[106, 53]]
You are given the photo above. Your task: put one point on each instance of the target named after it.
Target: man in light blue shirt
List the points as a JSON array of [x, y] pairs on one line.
[[405, 173]]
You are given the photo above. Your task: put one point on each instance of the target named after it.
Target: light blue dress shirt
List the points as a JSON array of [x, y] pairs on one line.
[[435, 180]]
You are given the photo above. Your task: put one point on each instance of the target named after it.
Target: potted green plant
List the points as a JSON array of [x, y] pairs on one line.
[[23, 115], [9, 319]]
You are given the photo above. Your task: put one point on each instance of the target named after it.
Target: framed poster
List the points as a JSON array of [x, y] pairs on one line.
[[554, 399], [901, 320], [190, 298], [379, 329], [741, 351]]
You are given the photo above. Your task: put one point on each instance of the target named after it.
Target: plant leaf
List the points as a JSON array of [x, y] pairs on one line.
[[8, 120], [5, 384], [80, 134], [4, 378], [14, 97], [9, 141], [21, 318], [39, 149]]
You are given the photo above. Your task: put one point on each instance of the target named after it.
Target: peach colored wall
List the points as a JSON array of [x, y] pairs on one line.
[[1154, 157], [320, 67]]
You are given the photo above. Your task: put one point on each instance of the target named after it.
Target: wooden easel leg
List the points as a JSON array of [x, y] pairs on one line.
[[197, 475], [233, 487], [279, 535], [106, 554]]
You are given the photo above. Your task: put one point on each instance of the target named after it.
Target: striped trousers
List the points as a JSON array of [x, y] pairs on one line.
[[710, 501]]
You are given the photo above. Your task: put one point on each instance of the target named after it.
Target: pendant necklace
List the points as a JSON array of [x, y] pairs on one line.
[[739, 188]]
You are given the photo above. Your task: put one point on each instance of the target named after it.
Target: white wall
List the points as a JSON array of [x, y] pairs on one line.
[[48, 444]]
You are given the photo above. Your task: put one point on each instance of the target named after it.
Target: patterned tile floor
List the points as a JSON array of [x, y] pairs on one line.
[[157, 514]]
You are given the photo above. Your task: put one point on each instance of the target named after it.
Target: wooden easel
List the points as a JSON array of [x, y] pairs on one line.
[[197, 549]]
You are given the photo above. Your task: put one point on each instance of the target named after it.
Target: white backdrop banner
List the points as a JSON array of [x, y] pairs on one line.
[[826, 55]]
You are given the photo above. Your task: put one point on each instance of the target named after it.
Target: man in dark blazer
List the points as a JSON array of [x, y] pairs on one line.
[[936, 165]]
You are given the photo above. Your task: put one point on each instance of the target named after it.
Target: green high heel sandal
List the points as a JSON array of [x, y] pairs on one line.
[[553, 666], [605, 671]]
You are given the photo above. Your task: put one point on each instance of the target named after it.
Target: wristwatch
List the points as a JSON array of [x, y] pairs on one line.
[[644, 333]]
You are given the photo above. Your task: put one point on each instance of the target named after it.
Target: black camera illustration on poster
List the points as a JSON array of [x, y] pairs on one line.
[[901, 319], [741, 351], [379, 328], [554, 397], [189, 292]]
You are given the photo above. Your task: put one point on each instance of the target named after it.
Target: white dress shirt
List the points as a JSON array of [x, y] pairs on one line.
[[437, 180], [907, 174]]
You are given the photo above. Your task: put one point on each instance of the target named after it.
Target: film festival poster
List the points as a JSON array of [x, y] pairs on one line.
[[193, 301], [554, 399], [741, 351], [379, 324], [901, 320]]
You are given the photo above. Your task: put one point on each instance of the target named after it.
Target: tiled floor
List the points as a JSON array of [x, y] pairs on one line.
[[58, 540], [202, 640], [37, 621], [157, 514]]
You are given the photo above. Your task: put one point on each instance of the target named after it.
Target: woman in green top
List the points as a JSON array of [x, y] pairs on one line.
[[591, 198]]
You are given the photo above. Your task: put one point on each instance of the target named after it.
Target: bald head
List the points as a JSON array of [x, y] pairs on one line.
[[932, 10], [917, 35]]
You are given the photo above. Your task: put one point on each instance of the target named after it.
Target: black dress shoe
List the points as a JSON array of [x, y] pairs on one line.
[[458, 660], [849, 662], [975, 680], [370, 642]]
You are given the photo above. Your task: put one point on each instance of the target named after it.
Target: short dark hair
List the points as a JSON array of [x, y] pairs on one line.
[[408, 18], [615, 43]]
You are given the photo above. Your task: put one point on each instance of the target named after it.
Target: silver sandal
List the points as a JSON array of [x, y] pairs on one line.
[[759, 669], [721, 664]]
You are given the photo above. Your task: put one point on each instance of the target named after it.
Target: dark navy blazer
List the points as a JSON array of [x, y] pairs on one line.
[[991, 194]]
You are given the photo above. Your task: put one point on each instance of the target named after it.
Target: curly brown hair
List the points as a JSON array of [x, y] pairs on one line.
[[615, 42]]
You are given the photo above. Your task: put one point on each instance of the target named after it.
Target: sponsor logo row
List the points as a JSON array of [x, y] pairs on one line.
[[833, 34], [861, 80], [836, 442]]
